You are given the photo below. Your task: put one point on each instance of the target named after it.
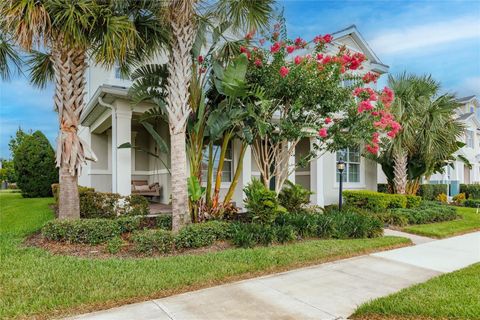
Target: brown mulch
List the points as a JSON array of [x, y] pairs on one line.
[[100, 251]]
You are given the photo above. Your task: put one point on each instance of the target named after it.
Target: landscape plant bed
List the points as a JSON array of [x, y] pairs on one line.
[[101, 251]]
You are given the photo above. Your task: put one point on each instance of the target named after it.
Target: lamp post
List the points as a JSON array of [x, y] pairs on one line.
[[340, 168]]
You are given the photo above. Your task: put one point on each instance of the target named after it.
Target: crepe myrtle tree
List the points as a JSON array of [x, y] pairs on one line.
[[303, 97]]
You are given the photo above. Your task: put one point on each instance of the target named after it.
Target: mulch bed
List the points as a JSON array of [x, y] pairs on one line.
[[100, 251]]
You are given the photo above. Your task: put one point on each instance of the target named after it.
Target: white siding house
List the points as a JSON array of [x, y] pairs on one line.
[[110, 119]]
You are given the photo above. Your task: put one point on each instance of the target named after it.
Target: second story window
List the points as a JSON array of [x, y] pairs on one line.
[[469, 138]]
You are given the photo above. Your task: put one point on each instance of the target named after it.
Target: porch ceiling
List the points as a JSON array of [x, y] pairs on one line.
[[94, 110]]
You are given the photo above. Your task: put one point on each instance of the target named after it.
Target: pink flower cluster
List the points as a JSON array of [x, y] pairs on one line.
[[367, 95], [245, 51], [284, 71], [387, 97], [323, 39], [370, 77]]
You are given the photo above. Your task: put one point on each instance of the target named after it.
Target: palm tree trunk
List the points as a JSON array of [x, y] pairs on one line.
[[400, 160], [179, 178], [72, 152], [182, 21]]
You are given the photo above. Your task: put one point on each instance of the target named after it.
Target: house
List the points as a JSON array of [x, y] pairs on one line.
[[110, 119], [461, 172]]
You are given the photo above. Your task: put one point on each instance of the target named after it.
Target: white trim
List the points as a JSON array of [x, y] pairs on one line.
[[150, 172], [302, 173]]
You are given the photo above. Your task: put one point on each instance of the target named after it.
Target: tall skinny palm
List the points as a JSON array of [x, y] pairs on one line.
[[184, 18], [68, 33]]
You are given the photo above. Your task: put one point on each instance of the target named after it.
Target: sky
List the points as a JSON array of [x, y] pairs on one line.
[[441, 38]]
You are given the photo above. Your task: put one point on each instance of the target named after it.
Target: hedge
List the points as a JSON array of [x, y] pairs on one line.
[[472, 191], [472, 203], [377, 201], [150, 241], [431, 191], [106, 205], [87, 231]]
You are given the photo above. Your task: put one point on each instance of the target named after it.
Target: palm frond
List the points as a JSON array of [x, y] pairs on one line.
[[10, 61], [40, 69]]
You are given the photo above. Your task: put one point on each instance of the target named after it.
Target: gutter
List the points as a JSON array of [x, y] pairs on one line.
[[114, 141]]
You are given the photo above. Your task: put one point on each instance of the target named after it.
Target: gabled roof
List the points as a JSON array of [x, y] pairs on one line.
[[352, 31], [466, 99], [467, 116]]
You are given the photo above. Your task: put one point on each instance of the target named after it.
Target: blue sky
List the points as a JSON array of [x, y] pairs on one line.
[[437, 37]]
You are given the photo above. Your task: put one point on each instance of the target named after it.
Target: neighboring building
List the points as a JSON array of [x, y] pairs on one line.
[[469, 115], [110, 119]]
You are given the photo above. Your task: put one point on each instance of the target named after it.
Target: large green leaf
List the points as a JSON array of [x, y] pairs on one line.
[[195, 190], [231, 80], [162, 145]]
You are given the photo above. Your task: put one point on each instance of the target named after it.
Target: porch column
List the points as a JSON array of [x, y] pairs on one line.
[[121, 158], [291, 164], [247, 169], [316, 180]]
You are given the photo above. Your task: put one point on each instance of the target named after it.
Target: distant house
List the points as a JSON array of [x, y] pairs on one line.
[[469, 115], [110, 119]]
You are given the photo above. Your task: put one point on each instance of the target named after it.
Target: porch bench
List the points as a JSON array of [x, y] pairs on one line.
[[142, 188]]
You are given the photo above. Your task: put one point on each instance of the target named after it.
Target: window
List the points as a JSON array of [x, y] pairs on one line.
[[227, 164], [469, 138], [351, 156], [118, 73]]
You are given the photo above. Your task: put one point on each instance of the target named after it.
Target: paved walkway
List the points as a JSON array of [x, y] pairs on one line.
[[327, 291], [416, 239]]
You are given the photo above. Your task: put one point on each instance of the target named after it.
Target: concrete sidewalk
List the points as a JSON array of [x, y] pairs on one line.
[[327, 291]]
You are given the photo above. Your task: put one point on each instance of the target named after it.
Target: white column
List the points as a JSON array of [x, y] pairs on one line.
[[247, 169], [316, 180], [121, 158], [291, 165]]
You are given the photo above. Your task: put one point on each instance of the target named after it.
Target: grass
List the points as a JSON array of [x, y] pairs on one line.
[[470, 222], [450, 296], [36, 283]]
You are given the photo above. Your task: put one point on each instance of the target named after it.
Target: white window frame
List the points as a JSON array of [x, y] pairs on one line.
[[227, 159], [469, 138], [346, 172]]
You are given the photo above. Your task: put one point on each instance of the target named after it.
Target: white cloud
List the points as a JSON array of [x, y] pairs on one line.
[[426, 36]]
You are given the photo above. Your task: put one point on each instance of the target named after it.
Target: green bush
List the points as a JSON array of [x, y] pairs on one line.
[[427, 212], [129, 224], [135, 205], [472, 191], [201, 234], [383, 188], [262, 204], [164, 222], [374, 201], [245, 235], [150, 241], [114, 245], [34, 164], [413, 201], [88, 231], [304, 224], [285, 233], [294, 197], [472, 203], [431, 191], [348, 224]]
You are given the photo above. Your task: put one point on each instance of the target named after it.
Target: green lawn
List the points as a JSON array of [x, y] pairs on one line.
[[450, 296], [470, 222], [35, 282]]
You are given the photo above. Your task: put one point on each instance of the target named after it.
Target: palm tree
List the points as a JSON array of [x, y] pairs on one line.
[[185, 18], [429, 131], [67, 33], [10, 61]]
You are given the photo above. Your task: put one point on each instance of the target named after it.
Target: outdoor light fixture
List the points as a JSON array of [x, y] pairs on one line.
[[340, 168]]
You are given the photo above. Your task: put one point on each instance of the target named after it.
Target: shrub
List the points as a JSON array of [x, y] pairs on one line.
[[164, 222], [472, 191], [459, 198], [261, 203], [129, 224], [431, 191], [134, 205], [472, 203], [427, 212], [34, 164], [98, 204], [150, 241], [325, 227], [294, 197], [413, 201], [374, 201], [245, 235], [383, 188], [348, 224], [201, 234], [285, 233], [304, 224], [442, 197], [88, 231], [114, 245]]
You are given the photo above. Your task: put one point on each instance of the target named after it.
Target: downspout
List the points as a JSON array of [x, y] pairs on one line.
[[114, 142]]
